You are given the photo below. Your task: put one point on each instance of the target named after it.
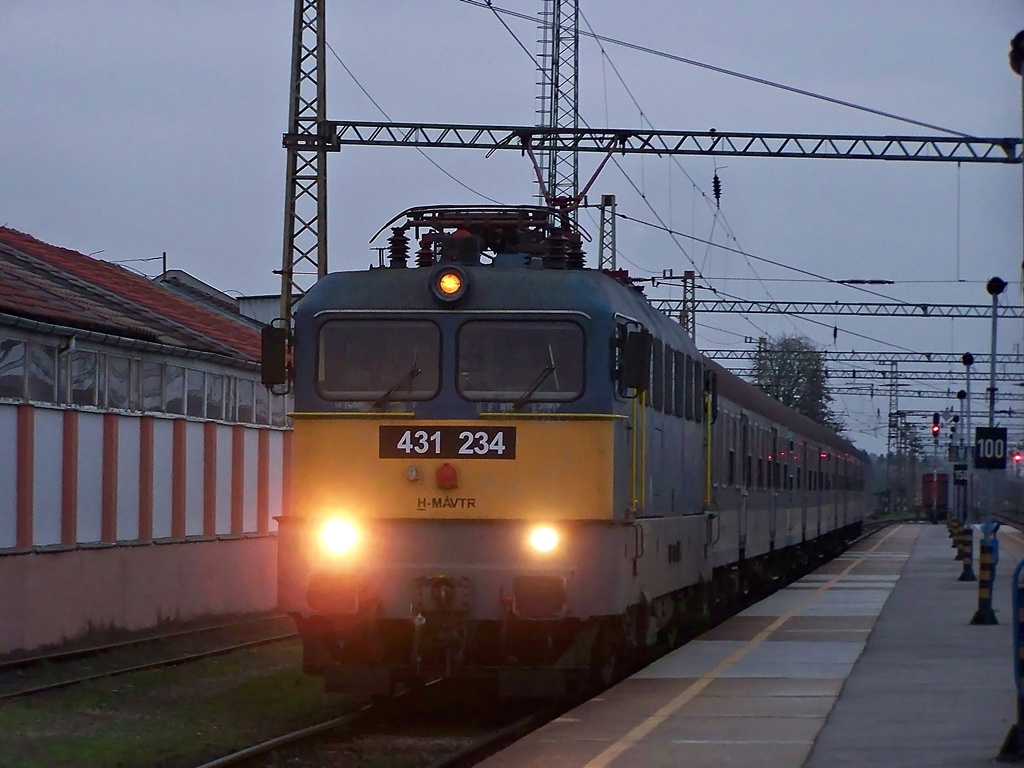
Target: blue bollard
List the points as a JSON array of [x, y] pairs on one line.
[[1013, 745]]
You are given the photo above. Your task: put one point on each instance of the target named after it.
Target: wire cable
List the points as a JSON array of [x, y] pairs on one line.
[[736, 74], [418, 149]]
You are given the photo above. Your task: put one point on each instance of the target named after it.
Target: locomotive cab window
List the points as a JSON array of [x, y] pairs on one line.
[[520, 361], [379, 361]]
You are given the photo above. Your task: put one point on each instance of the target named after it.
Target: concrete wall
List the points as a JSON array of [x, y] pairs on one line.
[[53, 597], [122, 520]]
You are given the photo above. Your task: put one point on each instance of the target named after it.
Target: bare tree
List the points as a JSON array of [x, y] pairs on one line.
[[792, 370]]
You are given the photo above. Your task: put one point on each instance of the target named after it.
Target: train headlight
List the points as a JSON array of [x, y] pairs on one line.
[[338, 537], [544, 538]]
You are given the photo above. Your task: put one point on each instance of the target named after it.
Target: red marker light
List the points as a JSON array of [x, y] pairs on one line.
[[1016, 457], [446, 476]]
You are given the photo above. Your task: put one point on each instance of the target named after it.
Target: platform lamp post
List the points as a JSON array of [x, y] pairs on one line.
[[1013, 746], [995, 286], [961, 456], [1017, 65], [968, 360]]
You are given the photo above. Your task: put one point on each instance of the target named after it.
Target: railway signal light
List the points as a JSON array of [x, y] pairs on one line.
[[936, 426], [1016, 457]]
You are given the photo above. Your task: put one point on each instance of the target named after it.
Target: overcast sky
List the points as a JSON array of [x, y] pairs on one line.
[[130, 129]]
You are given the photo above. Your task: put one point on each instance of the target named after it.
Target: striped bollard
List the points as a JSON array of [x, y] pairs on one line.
[[1013, 745], [985, 615], [967, 555]]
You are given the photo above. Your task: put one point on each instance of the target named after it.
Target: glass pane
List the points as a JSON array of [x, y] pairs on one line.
[[174, 388], [12, 368], [262, 404], [680, 383], [278, 410], [698, 391], [83, 378], [118, 381], [135, 390], [214, 396], [152, 386], [230, 408], [520, 360], [366, 360], [670, 357], [655, 397], [101, 380], [245, 413], [42, 372], [196, 393]]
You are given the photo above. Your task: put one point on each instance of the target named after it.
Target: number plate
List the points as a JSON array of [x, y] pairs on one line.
[[960, 474], [448, 442]]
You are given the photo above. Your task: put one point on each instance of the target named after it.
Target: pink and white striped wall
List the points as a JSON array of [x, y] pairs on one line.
[[83, 477], [80, 490]]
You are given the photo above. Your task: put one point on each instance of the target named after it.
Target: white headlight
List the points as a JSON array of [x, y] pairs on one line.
[[544, 538], [338, 536]]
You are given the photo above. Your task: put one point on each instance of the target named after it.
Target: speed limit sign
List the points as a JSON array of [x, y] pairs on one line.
[[990, 448]]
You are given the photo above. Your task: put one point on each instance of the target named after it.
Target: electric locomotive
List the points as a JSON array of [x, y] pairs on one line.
[[508, 467]]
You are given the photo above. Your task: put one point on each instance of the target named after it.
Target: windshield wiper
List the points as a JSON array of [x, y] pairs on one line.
[[407, 379], [541, 378]]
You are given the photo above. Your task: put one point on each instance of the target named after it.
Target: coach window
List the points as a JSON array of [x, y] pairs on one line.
[[698, 391], [521, 361], [379, 361], [657, 376], [669, 391], [679, 374]]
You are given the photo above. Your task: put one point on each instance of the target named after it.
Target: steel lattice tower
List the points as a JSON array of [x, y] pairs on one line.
[[894, 439], [558, 93], [304, 260], [606, 245]]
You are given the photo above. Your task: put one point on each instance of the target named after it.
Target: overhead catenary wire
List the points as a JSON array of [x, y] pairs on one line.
[[420, 150], [673, 233], [732, 73]]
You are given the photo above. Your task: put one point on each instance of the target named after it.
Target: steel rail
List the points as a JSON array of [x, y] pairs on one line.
[[266, 747], [93, 650], [21, 693]]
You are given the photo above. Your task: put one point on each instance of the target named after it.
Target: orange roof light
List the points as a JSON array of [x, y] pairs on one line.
[[449, 283]]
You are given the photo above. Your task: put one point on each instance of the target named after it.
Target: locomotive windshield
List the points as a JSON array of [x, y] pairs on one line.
[[378, 360], [520, 361]]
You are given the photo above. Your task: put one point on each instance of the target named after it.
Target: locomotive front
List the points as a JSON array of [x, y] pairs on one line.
[[454, 488]]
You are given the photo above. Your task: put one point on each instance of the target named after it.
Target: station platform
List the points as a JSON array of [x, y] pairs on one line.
[[869, 661]]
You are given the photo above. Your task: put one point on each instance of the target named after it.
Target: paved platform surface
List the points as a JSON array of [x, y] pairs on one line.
[[869, 661]]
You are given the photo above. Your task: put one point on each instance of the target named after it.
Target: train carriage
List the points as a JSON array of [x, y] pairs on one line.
[[512, 468]]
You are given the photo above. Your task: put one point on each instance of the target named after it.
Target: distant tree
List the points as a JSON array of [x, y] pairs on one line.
[[792, 370]]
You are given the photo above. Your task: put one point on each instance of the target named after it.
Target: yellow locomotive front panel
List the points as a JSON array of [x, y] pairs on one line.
[[360, 466]]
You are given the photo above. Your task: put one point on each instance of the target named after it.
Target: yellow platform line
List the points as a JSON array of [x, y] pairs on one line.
[[633, 737]]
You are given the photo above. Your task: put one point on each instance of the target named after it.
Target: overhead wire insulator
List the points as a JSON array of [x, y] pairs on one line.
[[716, 189]]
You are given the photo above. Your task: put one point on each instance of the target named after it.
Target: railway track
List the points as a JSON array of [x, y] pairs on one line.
[[14, 671], [460, 750], [301, 745]]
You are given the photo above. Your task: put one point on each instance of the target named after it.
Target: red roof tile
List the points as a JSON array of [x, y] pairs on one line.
[[62, 286]]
